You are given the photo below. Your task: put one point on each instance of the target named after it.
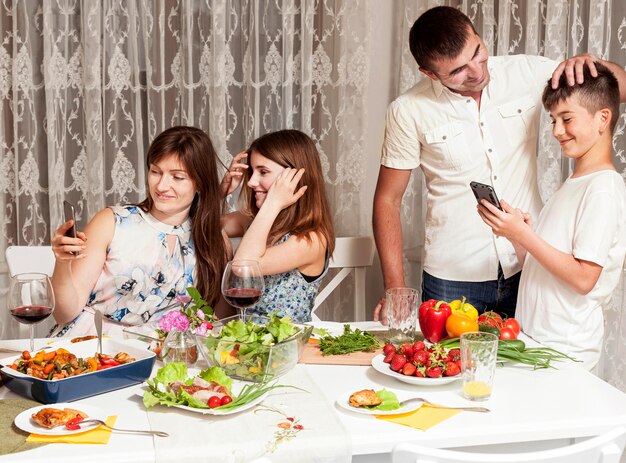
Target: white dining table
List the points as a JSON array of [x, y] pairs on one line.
[[530, 409]]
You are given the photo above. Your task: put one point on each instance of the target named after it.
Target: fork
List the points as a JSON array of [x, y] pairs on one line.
[[428, 402], [134, 431]]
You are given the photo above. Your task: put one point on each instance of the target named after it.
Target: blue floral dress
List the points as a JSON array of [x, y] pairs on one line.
[[140, 277], [289, 293]]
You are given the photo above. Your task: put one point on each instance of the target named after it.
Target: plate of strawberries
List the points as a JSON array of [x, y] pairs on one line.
[[418, 363]]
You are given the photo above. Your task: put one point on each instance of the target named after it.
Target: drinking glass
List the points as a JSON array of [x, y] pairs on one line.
[[479, 352], [30, 300], [402, 305], [242, 284]]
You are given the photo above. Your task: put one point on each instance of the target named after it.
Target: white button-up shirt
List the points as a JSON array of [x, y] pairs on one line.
[[455, 143]]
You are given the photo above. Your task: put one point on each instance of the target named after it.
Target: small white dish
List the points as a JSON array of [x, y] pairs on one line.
[[343, 402], [382, 367], [25, 422]]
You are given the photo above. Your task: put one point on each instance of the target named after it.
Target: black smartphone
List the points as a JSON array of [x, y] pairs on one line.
[[68, 211], [483, 191]]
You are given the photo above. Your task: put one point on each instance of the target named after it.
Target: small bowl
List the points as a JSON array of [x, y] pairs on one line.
[[252, 361]]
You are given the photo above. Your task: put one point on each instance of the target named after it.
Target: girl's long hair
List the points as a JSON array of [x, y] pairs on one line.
[[311, 213], [195, 151]]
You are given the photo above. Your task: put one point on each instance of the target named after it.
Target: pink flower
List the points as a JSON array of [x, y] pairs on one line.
[[200, 314], [183, 299], [203, 328], [174, 320]]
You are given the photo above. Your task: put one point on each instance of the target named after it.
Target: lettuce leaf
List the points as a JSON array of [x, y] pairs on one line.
[[390, 401]]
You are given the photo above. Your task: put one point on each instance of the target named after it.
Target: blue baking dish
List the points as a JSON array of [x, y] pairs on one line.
[[88, 384]]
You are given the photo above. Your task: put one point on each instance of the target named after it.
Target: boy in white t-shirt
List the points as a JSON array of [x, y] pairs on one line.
[[573, 258]]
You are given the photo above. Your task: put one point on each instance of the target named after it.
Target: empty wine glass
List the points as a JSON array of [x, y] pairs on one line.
[[242, 284], [30, 300]]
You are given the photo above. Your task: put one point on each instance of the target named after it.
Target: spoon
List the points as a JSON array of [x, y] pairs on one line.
[[134, 431], [469, 409]]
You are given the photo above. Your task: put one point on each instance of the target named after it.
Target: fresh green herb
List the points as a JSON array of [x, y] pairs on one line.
[[515, 350], [321, 332], [349, 341]]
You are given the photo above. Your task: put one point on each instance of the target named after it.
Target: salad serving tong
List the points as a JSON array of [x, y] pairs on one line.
[[428, 402]]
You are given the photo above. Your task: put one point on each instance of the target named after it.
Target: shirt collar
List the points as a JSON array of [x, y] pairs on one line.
[[178, 230]]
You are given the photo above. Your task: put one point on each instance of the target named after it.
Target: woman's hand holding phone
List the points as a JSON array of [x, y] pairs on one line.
[[67, 243], [234, 176]]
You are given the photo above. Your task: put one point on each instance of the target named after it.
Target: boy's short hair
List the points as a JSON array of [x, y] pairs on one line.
[[440, 32], [594, 94]]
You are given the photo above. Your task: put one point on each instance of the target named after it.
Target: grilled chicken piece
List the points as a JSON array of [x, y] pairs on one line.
[[365, 398], [53, 417]]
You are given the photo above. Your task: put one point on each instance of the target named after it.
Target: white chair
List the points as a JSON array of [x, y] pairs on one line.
[[606, 448], [352, 254], [31, 259]]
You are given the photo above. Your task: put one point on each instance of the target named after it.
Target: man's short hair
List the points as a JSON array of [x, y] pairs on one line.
[[440, 32], [594, 94]]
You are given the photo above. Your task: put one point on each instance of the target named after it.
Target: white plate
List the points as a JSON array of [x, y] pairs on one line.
[[26, 423], [343, 402], [236, 388], [381, 366]]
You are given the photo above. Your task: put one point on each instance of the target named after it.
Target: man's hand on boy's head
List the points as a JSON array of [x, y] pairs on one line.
[[573, 68]]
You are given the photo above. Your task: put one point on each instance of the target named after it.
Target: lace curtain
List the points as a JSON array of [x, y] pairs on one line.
[[86, 85], [556, 29]]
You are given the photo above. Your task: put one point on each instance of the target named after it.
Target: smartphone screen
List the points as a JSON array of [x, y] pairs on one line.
[[483, 191], [68, 211]]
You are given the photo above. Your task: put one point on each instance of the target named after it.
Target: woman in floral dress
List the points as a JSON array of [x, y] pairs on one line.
[[286, 219], [133, 261]]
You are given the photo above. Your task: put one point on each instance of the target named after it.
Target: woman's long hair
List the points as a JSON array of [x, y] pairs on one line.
[[311, 213], [195, 151]]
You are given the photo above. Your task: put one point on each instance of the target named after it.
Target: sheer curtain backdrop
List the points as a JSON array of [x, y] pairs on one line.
[[557, 29], [86, 85]]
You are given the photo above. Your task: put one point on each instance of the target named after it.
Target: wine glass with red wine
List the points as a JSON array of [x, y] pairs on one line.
[[242, 284], [30, 300]]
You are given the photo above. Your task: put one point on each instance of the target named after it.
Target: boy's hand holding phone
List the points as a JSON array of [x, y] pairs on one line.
[[509, 222]]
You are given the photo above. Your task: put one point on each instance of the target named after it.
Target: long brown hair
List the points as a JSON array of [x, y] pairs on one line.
[[311, 213], [195, 151]]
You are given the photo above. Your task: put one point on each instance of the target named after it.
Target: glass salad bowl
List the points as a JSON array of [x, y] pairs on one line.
[[254, 348]]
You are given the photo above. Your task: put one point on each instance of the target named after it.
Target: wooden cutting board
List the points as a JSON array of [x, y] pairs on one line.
[[313, 355]]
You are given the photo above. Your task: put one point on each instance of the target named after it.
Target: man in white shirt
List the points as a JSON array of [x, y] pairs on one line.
[[474, 119]]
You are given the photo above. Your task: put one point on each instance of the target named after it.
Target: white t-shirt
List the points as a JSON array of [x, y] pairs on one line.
[[454, 143], [586, 217]]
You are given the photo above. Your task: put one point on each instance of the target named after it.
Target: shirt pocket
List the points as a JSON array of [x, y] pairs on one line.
[[517, 116], [447, 145]]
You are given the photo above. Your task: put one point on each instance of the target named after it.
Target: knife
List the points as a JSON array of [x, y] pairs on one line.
[[98, 320]]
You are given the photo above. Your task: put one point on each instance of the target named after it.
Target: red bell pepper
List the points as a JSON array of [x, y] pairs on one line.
[[72, 424], [432, 318]]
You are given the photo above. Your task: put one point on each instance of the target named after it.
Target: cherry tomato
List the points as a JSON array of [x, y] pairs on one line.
[[214, 402], [459, 323], [490, 318], [72, 424], [512, 324], [507, 333], [226, 400]]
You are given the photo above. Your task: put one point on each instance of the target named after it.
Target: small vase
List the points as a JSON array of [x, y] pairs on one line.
[[180, 346]]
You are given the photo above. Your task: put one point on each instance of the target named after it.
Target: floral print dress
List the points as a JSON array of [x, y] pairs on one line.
[[140, 276], [289, 293]]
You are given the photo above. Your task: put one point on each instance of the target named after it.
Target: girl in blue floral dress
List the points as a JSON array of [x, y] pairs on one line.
[[286, 219], [139, 258]]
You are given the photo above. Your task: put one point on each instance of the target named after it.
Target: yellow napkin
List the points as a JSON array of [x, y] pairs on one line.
[[423, 418], [99, 435]]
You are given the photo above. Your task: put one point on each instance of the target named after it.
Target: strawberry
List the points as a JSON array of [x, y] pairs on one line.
[[420, 371], [434, 372], [452, 369], [406, 349], [389, 357], [418, 345], [387, 348], [397, 362], [421, 357], [455, 354], [408, 369]]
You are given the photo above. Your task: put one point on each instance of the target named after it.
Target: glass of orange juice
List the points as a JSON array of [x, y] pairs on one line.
[[478, 364]]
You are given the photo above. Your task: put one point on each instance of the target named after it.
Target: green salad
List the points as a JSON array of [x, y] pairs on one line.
[[255, 352]]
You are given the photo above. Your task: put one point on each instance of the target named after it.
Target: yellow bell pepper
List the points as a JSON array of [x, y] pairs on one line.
[[460, 306]]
